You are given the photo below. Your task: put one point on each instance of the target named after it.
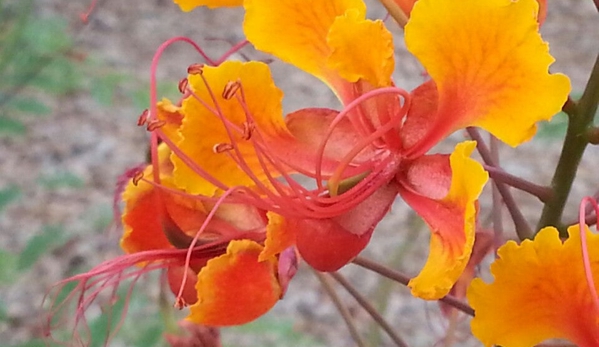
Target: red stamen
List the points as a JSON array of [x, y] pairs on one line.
[[155, 124], [183, 84], [143, 117], [230, 89], [588, 271], [85, 16], [248, 129], [222, 148], [195, 69], [137, 176], [363, 144]]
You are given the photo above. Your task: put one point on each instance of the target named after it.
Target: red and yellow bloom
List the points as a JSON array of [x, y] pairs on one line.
[[540, 292], [483, 74]]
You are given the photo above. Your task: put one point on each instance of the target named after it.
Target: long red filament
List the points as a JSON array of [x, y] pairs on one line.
[[85, 16], [355, 103], [588, 271]]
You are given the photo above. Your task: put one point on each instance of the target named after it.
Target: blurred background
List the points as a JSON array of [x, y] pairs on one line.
[[70, 95]]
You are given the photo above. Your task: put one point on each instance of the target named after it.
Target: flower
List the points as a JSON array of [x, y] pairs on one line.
[[540, 292], [230, 278], [483, 74]]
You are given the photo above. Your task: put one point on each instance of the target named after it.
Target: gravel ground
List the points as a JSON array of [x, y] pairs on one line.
[[97, 143]]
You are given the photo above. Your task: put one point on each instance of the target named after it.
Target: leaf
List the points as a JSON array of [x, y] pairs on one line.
[[555, 129], [61, 180], [48, 239], [8, 267], [8, 195], [10, 126], [101, 327], [103, 88], [28, 106]]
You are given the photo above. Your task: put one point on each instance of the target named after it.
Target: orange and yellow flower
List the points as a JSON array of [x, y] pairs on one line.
[[483, 74], [540, 292]]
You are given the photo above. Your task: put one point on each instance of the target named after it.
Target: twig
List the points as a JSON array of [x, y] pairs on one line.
[[328, 287], [522, 228], [370, 309], [496, 196], [580, 118], [544, 193], [404, 279]]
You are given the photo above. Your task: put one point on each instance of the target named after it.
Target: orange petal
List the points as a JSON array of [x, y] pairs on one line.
[[155, 219], [278, 236], [351, 33], [444, 192], [297, 32], [483, 244], [141, 215], [188, 5], [540, 292], [236, 288], [490, 66], [141, 219], [202, 130], [170, 114]]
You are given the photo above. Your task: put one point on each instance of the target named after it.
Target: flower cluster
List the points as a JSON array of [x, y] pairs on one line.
[[237, 193]]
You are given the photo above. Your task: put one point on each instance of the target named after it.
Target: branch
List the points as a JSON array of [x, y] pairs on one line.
[[328, 287], [522, 228], [370, 309], [404, 279]]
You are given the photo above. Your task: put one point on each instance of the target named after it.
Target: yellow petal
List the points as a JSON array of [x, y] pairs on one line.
[[172, 117], [188, 5], [361, 49], [278, 236], [489, 63], [450, 214], [202, 130], [235, 288], [539, 292], [296, 32]]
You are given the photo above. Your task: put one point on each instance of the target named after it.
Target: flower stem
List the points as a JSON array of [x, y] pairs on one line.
[[580, 118], [522, 228], [404, 279], [349, 321], [496, 198], [543, 193], [370, 309]]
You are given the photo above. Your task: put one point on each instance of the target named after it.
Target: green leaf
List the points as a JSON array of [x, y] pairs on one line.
[[59, 77], [10, 126], [46, 35], [3, 311], [28, 105], [101, 327], [61, 180], [8, 195], [555, 129], [8, 267], [49, 238], [103, 88]]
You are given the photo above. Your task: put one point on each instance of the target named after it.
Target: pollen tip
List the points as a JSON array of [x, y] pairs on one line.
[[196, 69]]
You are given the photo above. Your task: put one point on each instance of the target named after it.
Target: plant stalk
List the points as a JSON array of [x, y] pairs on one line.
[[576, 141], [404, 279]]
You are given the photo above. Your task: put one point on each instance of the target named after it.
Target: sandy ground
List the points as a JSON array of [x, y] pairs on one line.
[[97, 143]]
